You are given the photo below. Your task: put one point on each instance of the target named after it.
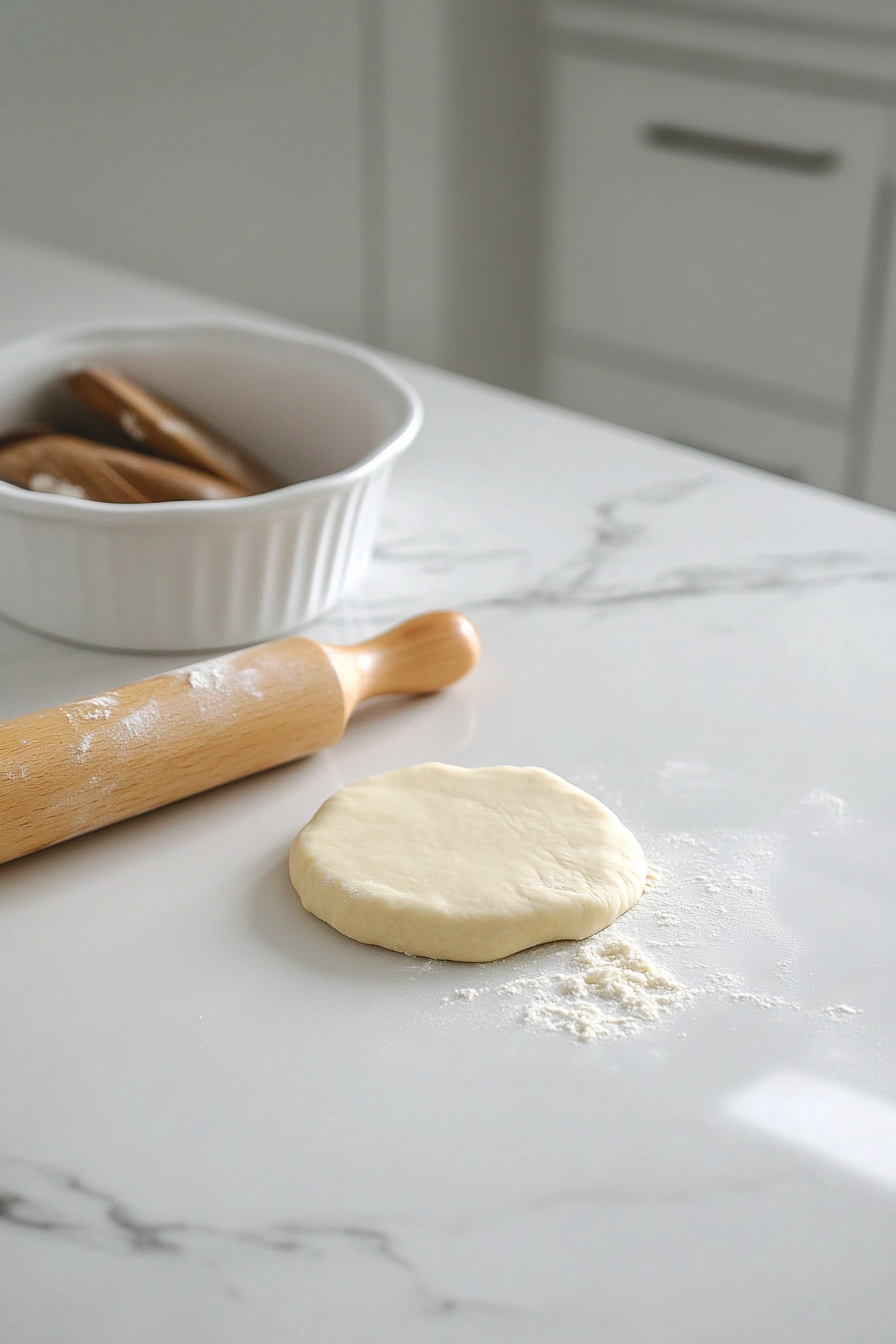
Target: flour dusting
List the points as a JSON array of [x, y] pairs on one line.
[[141, 725], [709, 926], [45, 483], [80, 750], [132, 425], [220, 678], [210, 676], [99, 707]]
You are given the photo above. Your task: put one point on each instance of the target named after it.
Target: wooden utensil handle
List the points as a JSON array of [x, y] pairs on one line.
[[75, 768]]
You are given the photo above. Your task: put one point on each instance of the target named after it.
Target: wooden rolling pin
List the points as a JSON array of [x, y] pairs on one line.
[[78, 767]]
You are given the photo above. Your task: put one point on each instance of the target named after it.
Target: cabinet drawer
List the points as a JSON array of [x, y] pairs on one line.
[[761, 438], [719, 224]]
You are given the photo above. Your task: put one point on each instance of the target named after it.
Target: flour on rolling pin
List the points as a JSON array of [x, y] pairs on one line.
[[140, 725], [220, 678], [215, 682]]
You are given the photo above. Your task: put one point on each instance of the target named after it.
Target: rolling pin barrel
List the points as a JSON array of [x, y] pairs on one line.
[[75, 768]]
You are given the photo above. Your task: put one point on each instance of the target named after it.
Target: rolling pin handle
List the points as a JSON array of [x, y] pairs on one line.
[[417, 657]]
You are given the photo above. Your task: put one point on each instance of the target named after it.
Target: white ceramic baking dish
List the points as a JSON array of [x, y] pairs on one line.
[[191, 575]]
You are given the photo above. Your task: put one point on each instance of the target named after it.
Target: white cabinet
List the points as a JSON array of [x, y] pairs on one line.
[[674, 410], [712, 222], [713, 244]]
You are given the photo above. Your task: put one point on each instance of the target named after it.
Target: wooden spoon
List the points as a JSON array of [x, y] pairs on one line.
[[65, 465], [170, 431], [18, 433]]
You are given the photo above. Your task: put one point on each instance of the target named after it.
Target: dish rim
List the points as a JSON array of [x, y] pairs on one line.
[[271, 501]]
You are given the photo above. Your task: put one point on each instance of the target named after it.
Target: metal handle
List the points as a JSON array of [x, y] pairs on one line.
[[708, 145]]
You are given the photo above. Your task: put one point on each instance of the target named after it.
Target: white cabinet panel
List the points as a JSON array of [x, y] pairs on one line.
[[717, 223], [778, 443], [875, 476]]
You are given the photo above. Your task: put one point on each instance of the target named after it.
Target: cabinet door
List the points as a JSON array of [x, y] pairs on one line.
[[721, 225], [752, 434]]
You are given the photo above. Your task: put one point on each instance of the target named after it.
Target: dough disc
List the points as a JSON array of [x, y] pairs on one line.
[[466, 865]]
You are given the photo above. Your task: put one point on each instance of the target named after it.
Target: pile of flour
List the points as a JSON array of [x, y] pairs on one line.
[[611, 989]]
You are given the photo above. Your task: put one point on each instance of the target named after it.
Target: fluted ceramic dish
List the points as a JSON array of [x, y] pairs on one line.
[[193, 575]]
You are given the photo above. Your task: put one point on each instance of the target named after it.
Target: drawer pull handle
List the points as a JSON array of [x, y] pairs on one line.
[[684, 140]]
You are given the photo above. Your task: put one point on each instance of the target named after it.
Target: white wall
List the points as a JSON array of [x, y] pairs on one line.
[[365, 166], [460, 185], [212, 144]]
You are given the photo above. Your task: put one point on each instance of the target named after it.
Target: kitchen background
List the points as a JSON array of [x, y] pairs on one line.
[[679, 217]]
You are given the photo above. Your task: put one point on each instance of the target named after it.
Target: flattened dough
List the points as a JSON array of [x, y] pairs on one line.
[[466, 865]]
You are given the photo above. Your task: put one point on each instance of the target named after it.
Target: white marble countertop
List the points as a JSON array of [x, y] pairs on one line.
[[221, 1121]]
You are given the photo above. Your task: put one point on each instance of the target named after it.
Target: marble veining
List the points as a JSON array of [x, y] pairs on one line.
[[441, 554], [57, 1205], [577, 583], [620, 525]]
